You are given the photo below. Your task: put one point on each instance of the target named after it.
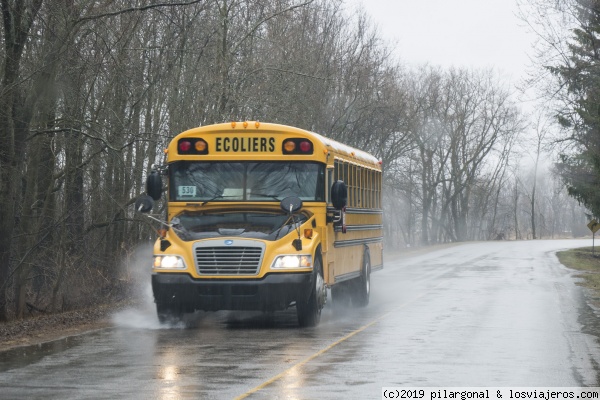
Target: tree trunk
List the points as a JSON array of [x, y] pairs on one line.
[[18, 18]]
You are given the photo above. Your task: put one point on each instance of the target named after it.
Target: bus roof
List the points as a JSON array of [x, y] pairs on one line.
[[330, 144], [345, 149]]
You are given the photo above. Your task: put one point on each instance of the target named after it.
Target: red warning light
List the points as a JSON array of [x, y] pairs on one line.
[[185, 146], [305, 146]]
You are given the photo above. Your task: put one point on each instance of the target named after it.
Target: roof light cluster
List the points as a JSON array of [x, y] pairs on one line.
[[192, 146], [297, 146]]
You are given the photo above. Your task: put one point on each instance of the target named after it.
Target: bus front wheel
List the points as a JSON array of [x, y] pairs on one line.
[[169, 313], [309, 311]]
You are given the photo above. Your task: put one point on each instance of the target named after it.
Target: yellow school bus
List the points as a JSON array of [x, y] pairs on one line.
[[264, 216]]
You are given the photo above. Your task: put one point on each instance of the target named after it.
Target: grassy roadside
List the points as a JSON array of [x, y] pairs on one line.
[[584, 260]]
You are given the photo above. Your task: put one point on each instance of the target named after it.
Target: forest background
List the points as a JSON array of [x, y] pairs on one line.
[[91, 92]]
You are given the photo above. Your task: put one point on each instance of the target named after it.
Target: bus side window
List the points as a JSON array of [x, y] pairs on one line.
[[330, 180], [350, 183], [378, 189], [370, 189]]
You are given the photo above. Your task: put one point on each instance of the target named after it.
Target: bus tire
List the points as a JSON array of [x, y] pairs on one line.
[[362, 290], [309, 311], [169, 313]]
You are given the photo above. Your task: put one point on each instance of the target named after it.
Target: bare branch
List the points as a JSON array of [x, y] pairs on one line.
[[134, 9], [267, 18]]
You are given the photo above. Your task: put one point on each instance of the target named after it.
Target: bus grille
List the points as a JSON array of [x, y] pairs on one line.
[[228, 260]]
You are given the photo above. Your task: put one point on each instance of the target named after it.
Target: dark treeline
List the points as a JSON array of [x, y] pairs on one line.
[[92, 91]]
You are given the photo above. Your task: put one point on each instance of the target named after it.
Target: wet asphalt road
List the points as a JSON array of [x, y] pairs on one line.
[[495, 314]]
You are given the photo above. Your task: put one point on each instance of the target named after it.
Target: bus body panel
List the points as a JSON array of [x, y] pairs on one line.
[[363, 232]]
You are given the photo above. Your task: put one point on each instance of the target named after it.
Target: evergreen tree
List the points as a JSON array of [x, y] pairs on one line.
[[579, 77]]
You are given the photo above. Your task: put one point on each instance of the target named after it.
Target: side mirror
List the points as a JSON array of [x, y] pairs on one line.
[[144, 204], [339, 194], [291, 204], [154, 185]]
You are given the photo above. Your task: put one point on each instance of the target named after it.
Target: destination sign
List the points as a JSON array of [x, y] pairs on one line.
[[245, 144]]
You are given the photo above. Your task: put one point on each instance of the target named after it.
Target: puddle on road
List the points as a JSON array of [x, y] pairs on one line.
[[23, 356]]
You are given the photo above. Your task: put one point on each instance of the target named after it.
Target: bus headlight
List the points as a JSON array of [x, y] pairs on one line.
[[169, 262], [292, 261]]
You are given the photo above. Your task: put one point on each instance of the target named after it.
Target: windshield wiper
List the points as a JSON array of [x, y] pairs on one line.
[[272, 196], [219, 196]]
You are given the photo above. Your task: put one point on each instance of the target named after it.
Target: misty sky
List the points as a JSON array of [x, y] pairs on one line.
[[462, 33]]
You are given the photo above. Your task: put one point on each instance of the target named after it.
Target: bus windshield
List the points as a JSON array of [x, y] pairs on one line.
[[246, 181]]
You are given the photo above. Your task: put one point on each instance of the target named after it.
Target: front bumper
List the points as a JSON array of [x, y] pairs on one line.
[[271, 293]]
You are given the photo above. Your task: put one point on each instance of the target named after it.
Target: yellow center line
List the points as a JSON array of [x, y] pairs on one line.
[[318, 353], [312, 357]]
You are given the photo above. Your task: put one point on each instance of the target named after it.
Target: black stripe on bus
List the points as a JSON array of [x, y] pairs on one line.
[[347, 277], [360, 227], [356, 242], [356, 274], [357, 210]]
